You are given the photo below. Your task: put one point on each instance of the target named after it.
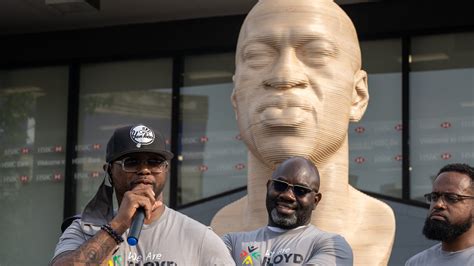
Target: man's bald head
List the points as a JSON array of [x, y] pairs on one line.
[[292, 194], [299, 166]]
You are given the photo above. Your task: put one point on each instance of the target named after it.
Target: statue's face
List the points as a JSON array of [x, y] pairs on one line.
[[294, 81]]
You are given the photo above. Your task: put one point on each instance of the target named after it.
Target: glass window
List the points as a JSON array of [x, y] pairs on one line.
[[212, 157], [112, 95], [375, 148], [441, 106], [33, 116]]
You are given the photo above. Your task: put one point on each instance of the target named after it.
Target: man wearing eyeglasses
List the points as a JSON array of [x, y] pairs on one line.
[[290, 238], [137, 162], [450, 218]]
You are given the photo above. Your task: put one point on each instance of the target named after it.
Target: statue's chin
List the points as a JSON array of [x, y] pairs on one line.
[[276, 149], [275, 140]]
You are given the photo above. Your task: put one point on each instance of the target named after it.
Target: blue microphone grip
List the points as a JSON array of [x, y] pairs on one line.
[[136, 227]]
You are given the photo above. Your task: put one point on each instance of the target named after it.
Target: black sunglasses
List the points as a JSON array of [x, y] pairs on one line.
[[450, 198], [132, 165], [282, 186]]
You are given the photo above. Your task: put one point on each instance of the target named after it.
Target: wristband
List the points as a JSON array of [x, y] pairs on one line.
[[107, 228]]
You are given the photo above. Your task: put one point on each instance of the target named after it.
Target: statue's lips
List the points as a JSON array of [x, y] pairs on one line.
[[289, 116]]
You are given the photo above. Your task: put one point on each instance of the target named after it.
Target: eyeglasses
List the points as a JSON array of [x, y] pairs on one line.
[[132, 165], [450, 198], [298, 190]]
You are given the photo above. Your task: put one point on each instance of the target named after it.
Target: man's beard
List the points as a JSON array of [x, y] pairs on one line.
[[286, 222], [445, 231], [300, 217]]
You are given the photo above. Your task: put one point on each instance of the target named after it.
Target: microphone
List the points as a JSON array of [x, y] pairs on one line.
[[136, 227]]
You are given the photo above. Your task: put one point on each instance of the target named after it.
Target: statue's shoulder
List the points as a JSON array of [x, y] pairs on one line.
[[235, 207], [227, 218], [378, 227], [370, 205]]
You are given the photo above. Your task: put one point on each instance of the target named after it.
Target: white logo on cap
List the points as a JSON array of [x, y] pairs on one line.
[[142, 135]]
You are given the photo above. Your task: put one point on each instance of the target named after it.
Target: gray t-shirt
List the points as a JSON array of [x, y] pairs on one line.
[[436, 256], [174, 239], [305, 245]]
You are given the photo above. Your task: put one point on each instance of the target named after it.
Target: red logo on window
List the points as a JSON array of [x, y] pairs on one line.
[[203, 168], [398, 157], [24, 179], [57, 177], [58, 148], [359, 130], [96, 146], [445, 125], [399, 127], [239, 166], [359, 160], [446, 156], [24, 150], [95, 174], [204, 139]]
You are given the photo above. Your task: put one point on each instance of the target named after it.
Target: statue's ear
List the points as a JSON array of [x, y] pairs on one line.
[[233, 99], [360, 96]]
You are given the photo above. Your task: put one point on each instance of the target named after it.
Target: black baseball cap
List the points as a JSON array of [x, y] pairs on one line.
[[136, 138]]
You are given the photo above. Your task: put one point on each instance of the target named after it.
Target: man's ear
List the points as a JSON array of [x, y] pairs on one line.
[[360, 96], [317, 199], [233, 99]]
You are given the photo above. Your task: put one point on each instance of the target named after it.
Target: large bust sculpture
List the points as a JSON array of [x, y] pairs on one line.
[[298, 84]]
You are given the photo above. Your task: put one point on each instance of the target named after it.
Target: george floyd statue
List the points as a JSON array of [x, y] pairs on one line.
[[298, 84]]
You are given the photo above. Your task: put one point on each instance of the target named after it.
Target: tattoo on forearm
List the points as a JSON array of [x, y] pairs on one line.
[[95, 251]]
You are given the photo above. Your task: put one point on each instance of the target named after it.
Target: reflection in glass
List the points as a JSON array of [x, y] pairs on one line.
[[441, 106], [113, 95], [32, 153], [212, 157], [375, 148]]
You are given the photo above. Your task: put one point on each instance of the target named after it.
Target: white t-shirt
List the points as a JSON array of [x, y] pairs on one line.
[[436, 256], [174, 239], [306, 245]]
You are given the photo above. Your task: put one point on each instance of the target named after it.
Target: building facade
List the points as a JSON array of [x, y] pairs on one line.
[[63, 93]]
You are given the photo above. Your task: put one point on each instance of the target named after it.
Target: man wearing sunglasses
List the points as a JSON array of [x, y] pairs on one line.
[[450, 218], [290, 238], [137, 162]]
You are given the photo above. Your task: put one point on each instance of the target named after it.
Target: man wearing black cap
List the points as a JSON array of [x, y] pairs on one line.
[[137, 161]]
